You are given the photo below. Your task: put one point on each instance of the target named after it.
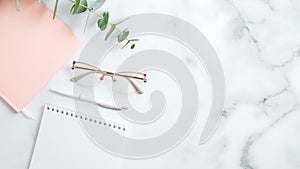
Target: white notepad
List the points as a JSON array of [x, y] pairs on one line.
[[62, 144]]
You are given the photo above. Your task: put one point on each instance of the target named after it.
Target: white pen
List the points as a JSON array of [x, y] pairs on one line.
[[107, 106]]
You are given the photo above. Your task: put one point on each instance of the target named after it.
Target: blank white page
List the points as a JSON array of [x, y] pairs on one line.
[[62, 144]]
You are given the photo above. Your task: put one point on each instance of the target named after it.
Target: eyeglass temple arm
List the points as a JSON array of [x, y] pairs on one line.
[[74, 64], [85, 68], [136, 88], [134, 77], [79, 77]]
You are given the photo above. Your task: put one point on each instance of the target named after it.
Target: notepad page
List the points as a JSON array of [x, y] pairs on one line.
[[63, 144]]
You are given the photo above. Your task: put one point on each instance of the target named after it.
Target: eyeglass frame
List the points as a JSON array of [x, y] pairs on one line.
[[95, 69]]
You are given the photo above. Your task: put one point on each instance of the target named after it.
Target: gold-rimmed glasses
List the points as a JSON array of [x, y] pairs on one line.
[[92, 70]]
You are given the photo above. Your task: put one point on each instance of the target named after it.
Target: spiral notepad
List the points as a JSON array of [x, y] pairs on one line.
[[85, 117], [62, 142]]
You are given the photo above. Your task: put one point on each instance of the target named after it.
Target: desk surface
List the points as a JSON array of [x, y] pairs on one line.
[[258, 43]]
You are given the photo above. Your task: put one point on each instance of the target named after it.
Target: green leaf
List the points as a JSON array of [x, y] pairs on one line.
[[77, 8], [102, 23], [97, 4], [82, 9], [123, 35], [126, 44], [132, 46], [105, 17], [132, 40], [18, 5], [39, 1], [99, 23], [55, 9], [112, 28]]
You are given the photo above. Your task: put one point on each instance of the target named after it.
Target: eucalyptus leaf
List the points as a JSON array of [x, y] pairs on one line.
[[82, 9], [132, 40], [55, 9], [77, 8], [97, 4], [132, 46], [105, 17], [102, 23], [123, 35], [112, 28]]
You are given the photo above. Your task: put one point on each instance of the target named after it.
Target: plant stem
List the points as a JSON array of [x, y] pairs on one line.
[[55, 9], [101, 17]]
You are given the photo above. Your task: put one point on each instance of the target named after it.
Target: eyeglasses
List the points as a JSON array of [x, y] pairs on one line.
[[92, 70]]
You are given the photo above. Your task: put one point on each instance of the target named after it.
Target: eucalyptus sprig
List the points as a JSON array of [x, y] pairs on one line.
[[81, 6]]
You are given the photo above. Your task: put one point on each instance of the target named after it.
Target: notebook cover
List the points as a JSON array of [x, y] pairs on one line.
[[33, 48]]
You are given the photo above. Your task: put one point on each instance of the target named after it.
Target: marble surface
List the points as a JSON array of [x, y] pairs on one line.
[[258, 44]]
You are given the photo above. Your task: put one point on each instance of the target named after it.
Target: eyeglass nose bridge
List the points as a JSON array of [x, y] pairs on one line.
[[110, 74], [102, 77]]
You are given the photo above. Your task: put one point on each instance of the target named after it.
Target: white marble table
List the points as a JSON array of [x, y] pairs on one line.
[[258, 43]]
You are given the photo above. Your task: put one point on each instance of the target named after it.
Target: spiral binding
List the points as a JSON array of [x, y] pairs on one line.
[[81, 116]]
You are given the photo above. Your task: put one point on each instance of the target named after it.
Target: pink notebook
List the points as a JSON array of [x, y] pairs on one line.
[[33, 47]]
